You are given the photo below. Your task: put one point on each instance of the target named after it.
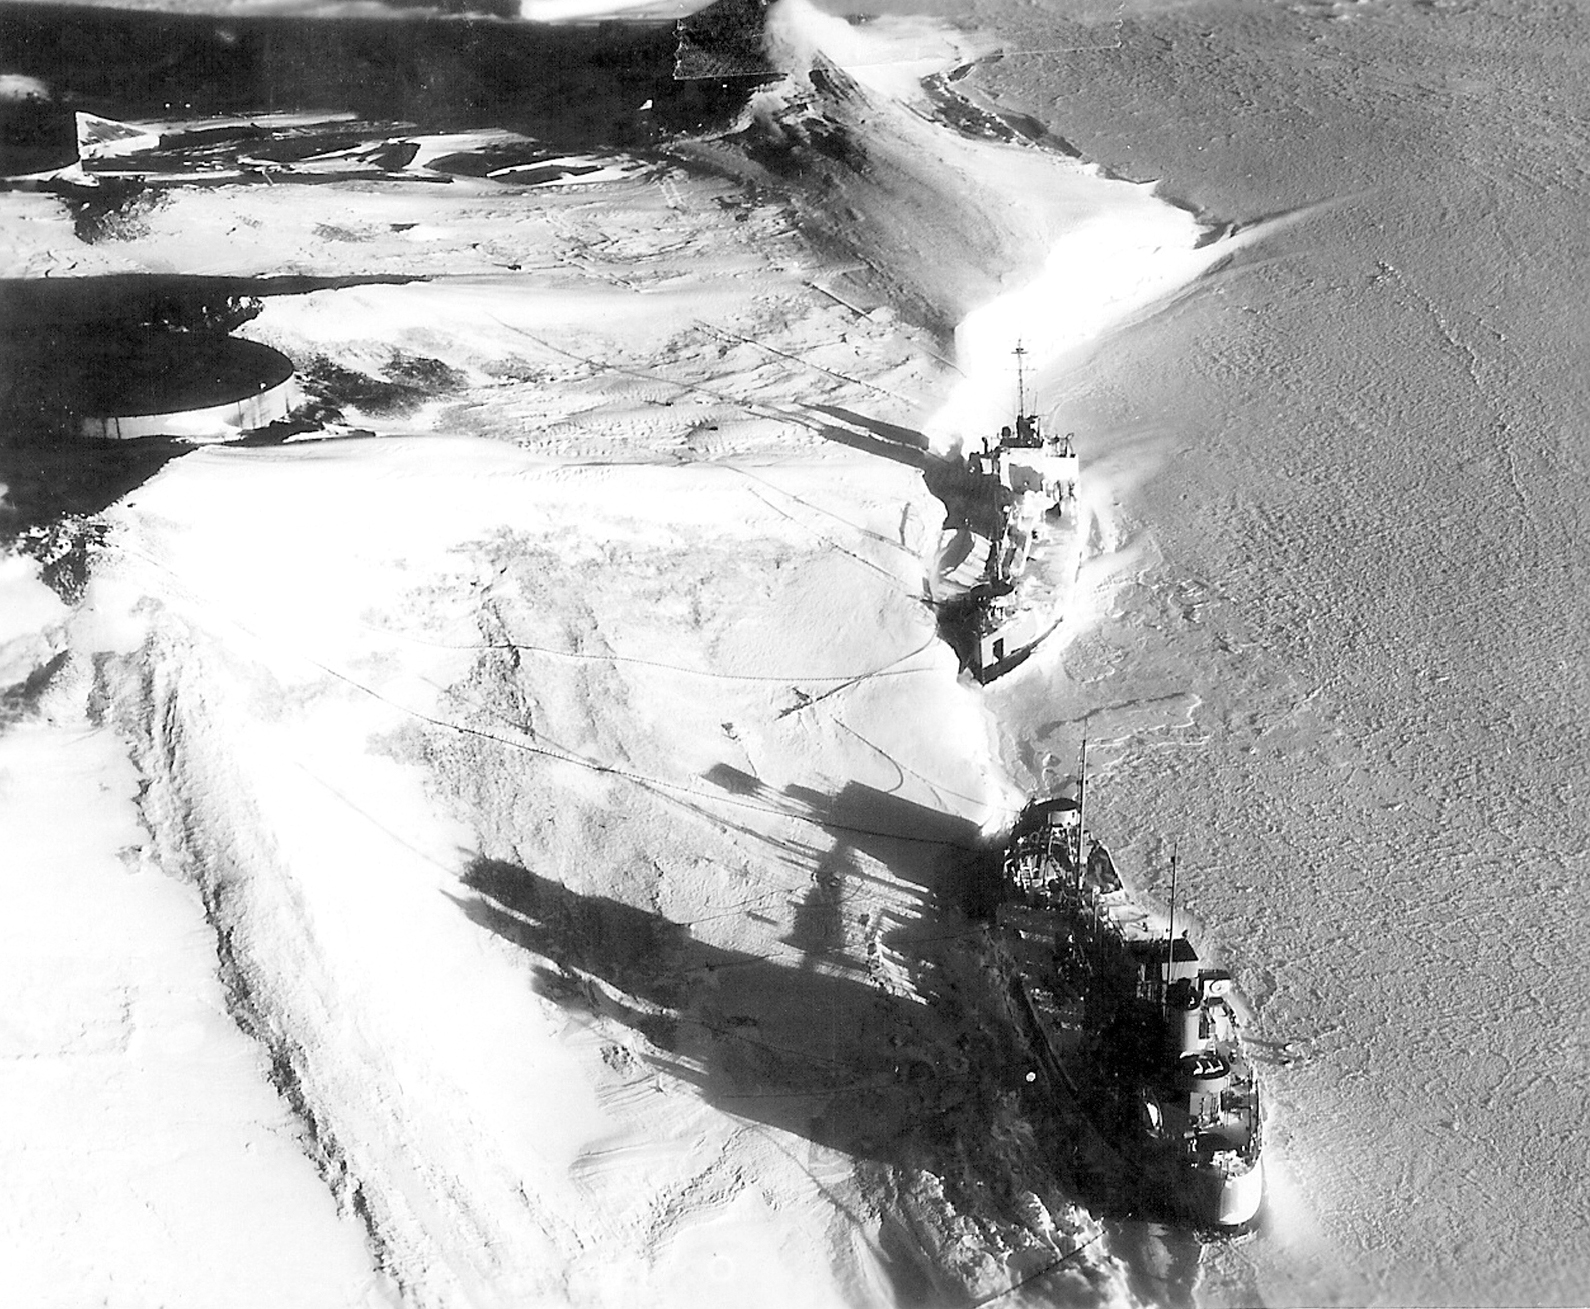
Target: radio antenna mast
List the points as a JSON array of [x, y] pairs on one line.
[[1082, 800], [1170, 944]]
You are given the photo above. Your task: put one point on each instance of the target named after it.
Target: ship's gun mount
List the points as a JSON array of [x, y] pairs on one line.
[[1045, 844], [1027, 436]]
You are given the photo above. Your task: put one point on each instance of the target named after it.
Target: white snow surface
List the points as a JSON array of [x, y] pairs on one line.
[[601, 611], [148, 1160], [535, 785], [1347, 674]]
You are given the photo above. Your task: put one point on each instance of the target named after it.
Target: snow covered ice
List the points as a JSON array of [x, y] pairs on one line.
[[507, 845]]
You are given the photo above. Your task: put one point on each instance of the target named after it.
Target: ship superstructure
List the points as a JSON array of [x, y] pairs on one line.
[[1127, 1022], [1027, 483]]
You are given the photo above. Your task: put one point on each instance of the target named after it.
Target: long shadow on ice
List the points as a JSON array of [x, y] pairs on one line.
[[766, 1036], [889, 439], [956, 870], [947, 857], [972, 506], [832, 1058], [50, 480], [882, 1033], [51, 492], [965, 496], [870, 1030], [64, 342], [75, 347], [830, 1054]]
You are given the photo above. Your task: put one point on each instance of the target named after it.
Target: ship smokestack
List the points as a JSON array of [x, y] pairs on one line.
[[1183, 1020]]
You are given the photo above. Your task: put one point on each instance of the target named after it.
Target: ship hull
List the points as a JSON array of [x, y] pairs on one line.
[[1239, 1198], [993, 634], [1210, 1199], [1137, 1037]]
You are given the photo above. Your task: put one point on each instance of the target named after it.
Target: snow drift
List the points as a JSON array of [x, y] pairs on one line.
[[584, 811]]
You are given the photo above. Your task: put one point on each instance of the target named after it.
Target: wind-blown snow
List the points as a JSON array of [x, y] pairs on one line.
[[548, 789], [147, 1157], [1361, 608], [562, 749]]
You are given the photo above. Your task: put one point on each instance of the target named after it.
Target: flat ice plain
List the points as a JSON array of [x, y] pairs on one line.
[[1370, 569], [499, 850]]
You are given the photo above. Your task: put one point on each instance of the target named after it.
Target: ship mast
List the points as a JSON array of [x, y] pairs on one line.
[[1021, 382], [1170, 943], [1082, 799]]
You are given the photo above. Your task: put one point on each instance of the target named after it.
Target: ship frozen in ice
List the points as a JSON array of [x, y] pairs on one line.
[[1007, 569], [1128, 1024]]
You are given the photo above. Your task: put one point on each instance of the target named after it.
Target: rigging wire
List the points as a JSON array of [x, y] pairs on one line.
[[612, 657], [722, 332], [1035, 1275], [558, 754]]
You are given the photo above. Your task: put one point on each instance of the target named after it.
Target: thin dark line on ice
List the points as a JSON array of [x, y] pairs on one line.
[[804, 363], [886, 670]]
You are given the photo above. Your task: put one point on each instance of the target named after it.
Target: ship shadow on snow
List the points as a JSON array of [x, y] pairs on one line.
[[964, 495], [969, 508], [957, 871], [872, 1031]]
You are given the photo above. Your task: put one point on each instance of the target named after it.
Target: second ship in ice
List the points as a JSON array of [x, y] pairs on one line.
[[1128, 1025]]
